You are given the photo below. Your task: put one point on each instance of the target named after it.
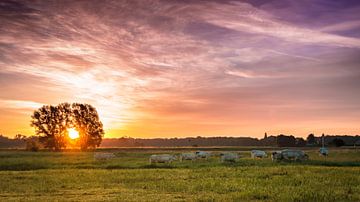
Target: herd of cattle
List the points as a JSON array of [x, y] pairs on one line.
[[286, 154]]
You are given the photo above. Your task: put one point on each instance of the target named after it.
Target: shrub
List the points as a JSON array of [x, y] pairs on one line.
[[32, 144], [338, 142]]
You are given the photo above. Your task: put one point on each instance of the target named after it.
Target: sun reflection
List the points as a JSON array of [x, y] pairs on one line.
[[73, 134]]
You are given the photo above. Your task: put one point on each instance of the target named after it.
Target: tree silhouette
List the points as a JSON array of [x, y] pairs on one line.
[[86, 121], [300, 142], [311, 139], [52, 122], [285, 141], [338, 142]]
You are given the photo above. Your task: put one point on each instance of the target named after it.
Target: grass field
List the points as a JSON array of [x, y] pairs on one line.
[[76, 176]]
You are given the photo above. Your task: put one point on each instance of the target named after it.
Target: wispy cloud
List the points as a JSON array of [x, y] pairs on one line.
[[178, 62], [20, 105], [243, 17]]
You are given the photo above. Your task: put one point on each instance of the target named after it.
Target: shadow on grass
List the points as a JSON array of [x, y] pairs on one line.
[[158, 166], [22, 167], [332, 163], [148, 166]]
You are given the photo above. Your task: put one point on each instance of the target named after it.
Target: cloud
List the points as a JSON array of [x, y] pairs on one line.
[[19, 105], [243, 17], [342, 26], [134, 61]]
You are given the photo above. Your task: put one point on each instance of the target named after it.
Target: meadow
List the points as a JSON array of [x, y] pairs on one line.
[[76, 176]]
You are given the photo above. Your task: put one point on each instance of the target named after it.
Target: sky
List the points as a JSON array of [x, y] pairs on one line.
[[181, 68]]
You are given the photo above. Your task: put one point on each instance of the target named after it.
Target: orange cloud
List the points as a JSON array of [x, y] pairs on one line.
[[173, 68]]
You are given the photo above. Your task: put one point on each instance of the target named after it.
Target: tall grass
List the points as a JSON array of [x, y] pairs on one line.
[[76, 176], [22, 160]]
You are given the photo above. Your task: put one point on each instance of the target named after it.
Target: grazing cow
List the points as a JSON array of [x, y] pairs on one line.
[[228, 157], [258, 154], [203, 154], [188, 156], [323, 151], [288, 154], [276, 156], [162, 158], [103, 156]]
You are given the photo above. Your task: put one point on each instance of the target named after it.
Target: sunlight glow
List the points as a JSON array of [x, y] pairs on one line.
[[73, 134]]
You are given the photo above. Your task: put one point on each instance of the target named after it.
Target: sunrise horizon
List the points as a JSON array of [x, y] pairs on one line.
[[257, 134], [180, 100]]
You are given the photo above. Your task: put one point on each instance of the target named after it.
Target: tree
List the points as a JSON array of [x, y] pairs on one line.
[[300, 142], [20, 137], [285, 141], [86, 121], [338, 142], [51, 124], [311, 139], [269, 141], [32, 144]]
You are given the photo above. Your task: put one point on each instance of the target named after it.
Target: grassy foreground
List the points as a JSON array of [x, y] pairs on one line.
[[76, 176]]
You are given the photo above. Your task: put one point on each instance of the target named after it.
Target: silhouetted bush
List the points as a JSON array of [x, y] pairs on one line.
[[286, 141], [311, 140], [300, 142], [338, 142], [32, 144]]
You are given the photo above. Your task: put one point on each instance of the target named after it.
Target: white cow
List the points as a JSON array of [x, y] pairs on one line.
[[229, 157], [188, 156], [203, 154], [103, 156], [289, 154], [276, 156], [162, 158], [323, 151], [258, 154]]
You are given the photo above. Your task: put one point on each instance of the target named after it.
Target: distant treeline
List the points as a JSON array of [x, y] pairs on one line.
[[277, 141], [21, 141], [16, 142]]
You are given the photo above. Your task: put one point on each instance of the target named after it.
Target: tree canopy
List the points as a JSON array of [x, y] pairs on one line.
[[51, 124], [311, 139], [285, 141]]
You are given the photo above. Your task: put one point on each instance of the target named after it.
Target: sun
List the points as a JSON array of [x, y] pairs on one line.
[[73, 134]]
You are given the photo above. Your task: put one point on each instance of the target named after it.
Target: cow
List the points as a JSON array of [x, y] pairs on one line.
[[258, 154], [289, 154], [323, 151], [103, 156], [162, 158], [188, 156], [203, 154], [228, 157], [276, 156]]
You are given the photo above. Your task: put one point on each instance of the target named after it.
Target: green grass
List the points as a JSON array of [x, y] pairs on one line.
[[76, 176]]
